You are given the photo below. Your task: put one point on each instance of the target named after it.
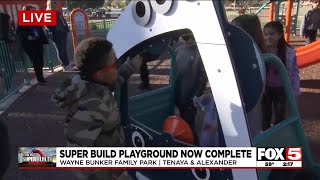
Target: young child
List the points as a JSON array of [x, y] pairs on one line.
[[274, 92], [93, 115], [311, 22]]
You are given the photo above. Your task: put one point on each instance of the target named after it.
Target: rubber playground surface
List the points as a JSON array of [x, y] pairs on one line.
[[309, 101]]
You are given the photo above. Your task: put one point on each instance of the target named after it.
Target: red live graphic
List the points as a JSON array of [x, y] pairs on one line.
[[37, 18]]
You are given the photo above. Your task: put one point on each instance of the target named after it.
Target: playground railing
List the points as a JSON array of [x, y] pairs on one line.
[[101, 25], [15, 63], [290, 131], [13, 68], [94, 25], [51, 60]]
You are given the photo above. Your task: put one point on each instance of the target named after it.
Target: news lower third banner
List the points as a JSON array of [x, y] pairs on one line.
[[160, 157]]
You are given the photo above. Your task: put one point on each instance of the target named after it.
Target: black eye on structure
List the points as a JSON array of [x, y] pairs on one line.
[[161, 6], [137, 139], [141, 12], [138, 142], [201, 174], [140, 9], [160, 1]]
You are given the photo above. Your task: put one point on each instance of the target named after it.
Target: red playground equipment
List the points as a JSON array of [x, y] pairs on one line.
[[179, 129], [306, 55]]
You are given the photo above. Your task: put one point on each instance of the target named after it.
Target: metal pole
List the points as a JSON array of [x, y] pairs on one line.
[[271, 11], [288, 20], [297, 16], [262, 7]]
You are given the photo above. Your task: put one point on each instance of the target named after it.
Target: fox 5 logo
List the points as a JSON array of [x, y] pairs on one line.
[[279, 154]]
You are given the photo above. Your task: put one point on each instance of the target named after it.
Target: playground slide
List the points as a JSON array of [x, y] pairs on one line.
[[308, 55]]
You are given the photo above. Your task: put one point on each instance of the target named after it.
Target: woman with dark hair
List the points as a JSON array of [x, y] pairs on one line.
[[33, 39], [274, 95], [251, 24]]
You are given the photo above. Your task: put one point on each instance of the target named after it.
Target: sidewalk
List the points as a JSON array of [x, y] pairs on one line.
[[33, 120]]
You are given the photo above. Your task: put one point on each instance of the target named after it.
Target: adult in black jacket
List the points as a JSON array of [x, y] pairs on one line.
[[33, 39], [59, 33]]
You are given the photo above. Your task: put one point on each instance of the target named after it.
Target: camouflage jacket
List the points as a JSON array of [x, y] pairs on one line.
[[93, 118], [93, 115]]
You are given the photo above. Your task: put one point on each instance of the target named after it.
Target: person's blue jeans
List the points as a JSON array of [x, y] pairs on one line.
[[60, 42]]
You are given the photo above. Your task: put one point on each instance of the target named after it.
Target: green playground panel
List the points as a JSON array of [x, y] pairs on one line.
[[290, 131], [152, 108], [13, 69]]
